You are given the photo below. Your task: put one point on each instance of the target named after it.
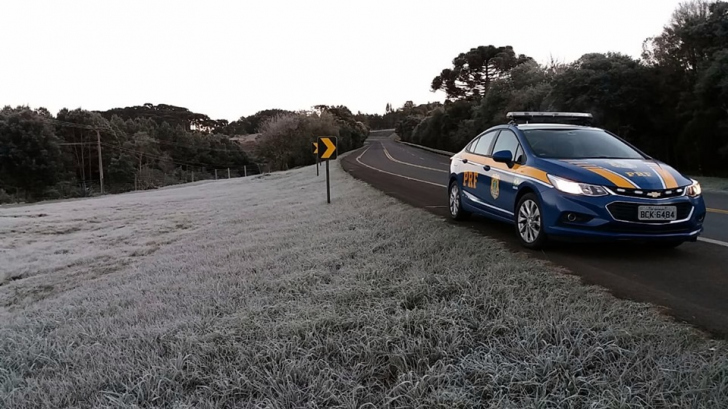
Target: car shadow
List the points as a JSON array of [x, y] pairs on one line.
[[594, 249]]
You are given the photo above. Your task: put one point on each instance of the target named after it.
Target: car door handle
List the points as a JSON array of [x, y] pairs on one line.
[[486, 167], [465, 161]]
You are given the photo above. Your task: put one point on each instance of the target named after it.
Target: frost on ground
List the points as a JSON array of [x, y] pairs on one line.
[[254, 292], [712, 184]]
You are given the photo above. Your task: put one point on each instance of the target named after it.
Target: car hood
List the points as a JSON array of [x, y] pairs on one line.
[[622, 173]]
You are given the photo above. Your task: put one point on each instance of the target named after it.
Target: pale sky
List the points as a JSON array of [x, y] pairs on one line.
[[232, 58]]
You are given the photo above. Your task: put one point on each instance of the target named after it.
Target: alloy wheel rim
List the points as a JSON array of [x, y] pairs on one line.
[[454, 200], [529, 221]]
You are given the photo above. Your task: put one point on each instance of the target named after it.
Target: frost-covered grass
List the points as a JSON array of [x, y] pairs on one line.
[[254, 292], [712, 183]]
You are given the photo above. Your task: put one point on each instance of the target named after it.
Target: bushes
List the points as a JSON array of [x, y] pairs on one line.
[[5, 197], [287, 139]]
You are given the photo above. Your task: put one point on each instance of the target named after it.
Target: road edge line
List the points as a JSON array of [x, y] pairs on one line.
[[393, 174], [425, 148], [389, 156], [711, 241]]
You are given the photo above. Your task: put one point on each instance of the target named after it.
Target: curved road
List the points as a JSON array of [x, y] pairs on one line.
[[691, 281]]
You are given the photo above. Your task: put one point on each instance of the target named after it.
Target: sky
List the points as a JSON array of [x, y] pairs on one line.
[[228, 59]]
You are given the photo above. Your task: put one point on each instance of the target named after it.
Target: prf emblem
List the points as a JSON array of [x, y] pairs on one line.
[[495, 186], [470, 179]]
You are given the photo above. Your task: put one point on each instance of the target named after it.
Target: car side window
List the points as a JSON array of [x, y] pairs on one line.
[[483, 147], [520, 158], [471, 146], [507, 141]]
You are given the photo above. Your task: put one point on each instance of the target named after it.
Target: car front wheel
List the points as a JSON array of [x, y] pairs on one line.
[[455, 203], [529, 222]]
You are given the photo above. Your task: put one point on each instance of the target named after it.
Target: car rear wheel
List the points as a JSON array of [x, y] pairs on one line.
[[455, 202], [529, 222]]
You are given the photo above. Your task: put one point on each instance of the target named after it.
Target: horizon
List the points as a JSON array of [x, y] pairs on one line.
[[201, 58]]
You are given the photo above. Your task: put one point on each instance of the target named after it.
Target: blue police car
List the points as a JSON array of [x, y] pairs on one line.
[[553, 175]]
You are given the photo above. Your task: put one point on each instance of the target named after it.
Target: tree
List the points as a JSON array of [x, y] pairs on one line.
[[687, 57], [473, 72], [256, 121], [287, 138], [171, 114], [30, 156]]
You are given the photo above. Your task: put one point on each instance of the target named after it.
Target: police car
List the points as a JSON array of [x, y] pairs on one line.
[[553, 175]]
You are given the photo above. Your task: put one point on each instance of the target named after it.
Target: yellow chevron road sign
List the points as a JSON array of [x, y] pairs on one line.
[[328, 146], [315, 148]]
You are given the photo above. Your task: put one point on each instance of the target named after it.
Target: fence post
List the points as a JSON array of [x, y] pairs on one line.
[[228, 173], [245, 170], [215, 174]]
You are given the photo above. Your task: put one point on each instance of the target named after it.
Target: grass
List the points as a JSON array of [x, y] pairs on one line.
[[255, 293], [712, 183]]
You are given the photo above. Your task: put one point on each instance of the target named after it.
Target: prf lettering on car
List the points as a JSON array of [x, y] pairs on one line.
[[470, 179], [642, 174]]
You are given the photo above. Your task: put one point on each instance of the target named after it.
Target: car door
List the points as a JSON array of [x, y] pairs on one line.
[[476, 175], [501, 193]]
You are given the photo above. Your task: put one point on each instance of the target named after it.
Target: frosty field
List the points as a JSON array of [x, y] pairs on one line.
[[255, 293]]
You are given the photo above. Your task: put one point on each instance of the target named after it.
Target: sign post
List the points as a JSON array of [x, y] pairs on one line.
[[315, 152], [327, 152]]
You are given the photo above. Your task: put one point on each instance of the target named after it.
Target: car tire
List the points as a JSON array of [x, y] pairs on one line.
[[455, 203], [529, 222]]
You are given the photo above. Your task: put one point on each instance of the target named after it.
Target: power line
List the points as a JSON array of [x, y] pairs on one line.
[[68, 124], [234, 150], [108, 128], [158, 157]]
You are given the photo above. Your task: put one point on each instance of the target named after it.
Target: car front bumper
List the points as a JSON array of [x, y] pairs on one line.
[[614, 217]]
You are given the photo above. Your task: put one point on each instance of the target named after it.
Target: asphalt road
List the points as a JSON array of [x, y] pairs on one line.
[[690, 281]]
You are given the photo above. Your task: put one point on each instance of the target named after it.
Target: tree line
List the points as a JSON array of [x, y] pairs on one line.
[[48, 157], [43, 156], [672, 102]]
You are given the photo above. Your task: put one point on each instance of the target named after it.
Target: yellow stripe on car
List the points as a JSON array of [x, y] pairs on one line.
[[670, 182], [618, 180]]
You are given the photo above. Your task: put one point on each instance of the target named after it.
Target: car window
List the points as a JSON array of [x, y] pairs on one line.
[[578, 144], [471, 146], [507, 141], [519, 155], [484, 143]]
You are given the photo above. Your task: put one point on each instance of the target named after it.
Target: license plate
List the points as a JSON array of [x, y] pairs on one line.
[[657, 213]]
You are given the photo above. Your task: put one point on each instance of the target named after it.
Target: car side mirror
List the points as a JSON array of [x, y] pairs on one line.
[[503, 157]]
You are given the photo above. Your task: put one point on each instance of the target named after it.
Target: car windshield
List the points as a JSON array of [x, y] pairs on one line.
[[578, 144]]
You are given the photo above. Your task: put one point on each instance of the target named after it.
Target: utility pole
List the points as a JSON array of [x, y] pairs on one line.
[[101, 161]]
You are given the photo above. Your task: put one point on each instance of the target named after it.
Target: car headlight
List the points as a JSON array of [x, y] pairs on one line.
[[694, 190], [575, 188]]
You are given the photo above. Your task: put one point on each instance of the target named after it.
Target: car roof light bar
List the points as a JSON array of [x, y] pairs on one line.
[[576, 118]]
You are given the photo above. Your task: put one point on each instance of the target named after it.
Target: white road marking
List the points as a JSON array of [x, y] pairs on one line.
[[711, 241], [358, 159], [386, 153]]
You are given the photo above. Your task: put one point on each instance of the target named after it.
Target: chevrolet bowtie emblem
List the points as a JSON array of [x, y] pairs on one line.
[[654, 194]]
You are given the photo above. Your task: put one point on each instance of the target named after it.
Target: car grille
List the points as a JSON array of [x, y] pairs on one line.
[[650, 193], [628, 211]]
